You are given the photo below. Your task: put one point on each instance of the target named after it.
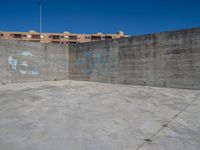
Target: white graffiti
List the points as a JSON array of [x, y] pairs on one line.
[[24, 63], [12, 62], [24, 67], [24, 72], [26, 53], [34, 72]]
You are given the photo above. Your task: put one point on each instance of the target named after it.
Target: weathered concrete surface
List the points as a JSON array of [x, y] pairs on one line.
[[168, 59], [31, 61], [72, 115]]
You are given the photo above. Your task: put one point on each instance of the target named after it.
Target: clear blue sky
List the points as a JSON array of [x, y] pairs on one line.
[[134, 17]]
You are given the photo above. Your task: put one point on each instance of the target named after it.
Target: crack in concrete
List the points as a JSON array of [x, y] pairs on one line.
[[170, 121]]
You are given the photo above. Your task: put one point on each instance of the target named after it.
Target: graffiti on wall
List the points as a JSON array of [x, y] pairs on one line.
[[93, 62], [12, 62], [26, 53], [25, 68], [90, 59]]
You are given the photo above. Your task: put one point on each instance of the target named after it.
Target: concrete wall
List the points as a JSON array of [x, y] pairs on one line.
[[169, 59], [28, 61], [95, 61]]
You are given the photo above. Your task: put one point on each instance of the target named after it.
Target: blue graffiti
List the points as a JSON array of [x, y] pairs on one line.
[[94, 59], [79, 62], [88, 54]]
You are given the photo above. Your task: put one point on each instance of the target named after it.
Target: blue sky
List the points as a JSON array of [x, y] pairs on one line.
[[106, 16]]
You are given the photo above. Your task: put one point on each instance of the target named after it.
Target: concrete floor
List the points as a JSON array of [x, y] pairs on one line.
[[74, 115]]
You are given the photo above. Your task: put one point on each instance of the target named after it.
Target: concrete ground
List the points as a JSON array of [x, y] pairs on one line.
[[76, 115]]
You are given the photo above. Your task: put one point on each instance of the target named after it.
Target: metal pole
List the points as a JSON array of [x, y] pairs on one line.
[[40, 20]]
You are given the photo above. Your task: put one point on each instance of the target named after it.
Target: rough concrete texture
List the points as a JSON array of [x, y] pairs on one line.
[[168, 59], [78, 115], [31, 61]]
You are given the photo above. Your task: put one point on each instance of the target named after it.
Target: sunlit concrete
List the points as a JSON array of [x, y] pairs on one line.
[[77, 115]]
